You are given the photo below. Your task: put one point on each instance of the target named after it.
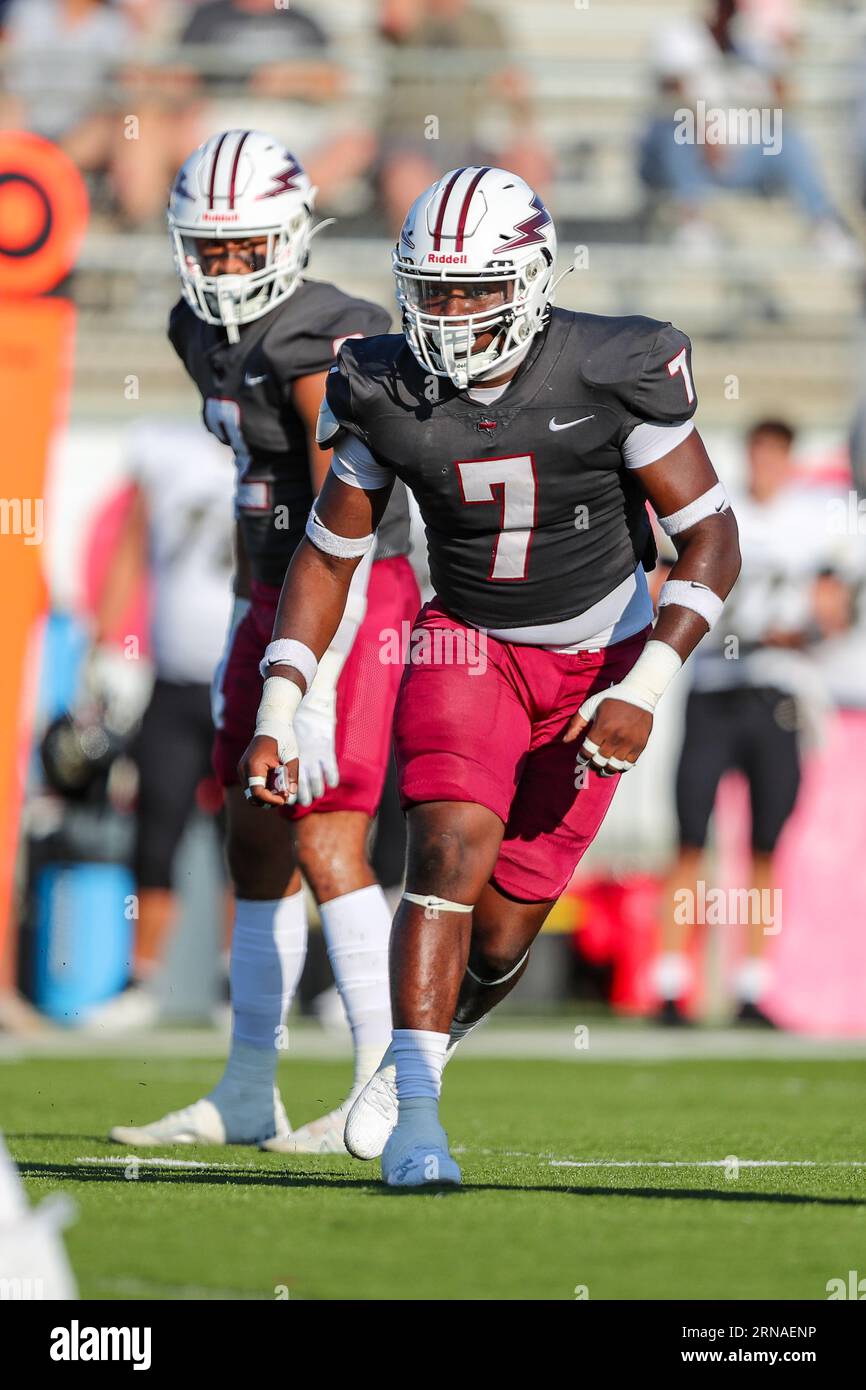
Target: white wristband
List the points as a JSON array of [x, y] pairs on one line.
[[645, 683], [687, 593], [287, 652], [278, 707]]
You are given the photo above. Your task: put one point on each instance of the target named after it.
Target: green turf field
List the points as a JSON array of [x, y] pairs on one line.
[[525, 1226]]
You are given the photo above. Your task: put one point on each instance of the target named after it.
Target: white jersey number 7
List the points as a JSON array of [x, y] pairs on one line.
[[511, 482]]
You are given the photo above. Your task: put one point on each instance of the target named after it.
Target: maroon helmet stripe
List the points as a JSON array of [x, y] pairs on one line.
[[437, 234], [213, 169], [235, 163], [464, 211]]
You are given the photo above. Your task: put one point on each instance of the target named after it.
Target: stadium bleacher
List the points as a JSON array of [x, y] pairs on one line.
[[792, 318]]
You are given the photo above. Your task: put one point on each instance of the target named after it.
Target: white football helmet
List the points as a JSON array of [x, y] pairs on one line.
[[241, 184], [486, 228]]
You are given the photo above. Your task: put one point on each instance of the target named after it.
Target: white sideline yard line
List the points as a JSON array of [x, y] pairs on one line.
[[123, 1160], [705, 1163], [549, 1162]]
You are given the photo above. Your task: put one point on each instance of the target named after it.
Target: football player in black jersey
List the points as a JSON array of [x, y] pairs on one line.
[[533, 439], [257, 338]]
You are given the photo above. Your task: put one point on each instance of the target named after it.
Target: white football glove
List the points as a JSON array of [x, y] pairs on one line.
[[315, 727], [115, 684]]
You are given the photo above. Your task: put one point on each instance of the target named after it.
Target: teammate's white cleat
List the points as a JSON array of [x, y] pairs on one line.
[[134, 1008], [224, 1117], [374, 1114], [416, 1154], [322, 1136]]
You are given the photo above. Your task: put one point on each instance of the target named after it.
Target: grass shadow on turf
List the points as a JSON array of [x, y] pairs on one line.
[[264, 1177], [234, 1177], [90, 1138]]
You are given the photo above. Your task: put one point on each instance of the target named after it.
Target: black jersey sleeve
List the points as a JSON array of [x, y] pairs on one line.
[[665, 389], [647, 366], [306, 344], [178, 327], [338, 412]]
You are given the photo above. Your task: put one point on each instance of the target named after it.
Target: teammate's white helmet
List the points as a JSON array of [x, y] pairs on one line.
[[241, 184], [485, 227]]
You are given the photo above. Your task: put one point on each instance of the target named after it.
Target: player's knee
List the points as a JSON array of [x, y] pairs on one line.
[[440, 862], [332, 870], [256, 872], [492, 964]]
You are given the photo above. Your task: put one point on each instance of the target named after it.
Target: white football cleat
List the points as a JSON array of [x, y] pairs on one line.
[[374, 1114], [322, 1136], [134, 1008], [221, 1118], [416, 1154]]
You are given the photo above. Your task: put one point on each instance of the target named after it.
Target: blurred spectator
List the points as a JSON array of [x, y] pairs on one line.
[[731, 62], [70, 79], [273, 69], [754, 691], [177, 534], [279, 51], [449, 65], [61, 55]]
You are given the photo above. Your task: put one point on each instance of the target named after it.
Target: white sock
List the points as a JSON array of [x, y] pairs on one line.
[[357, 928], [269, 944], [420, 1057], [671, 975], [753, 977]]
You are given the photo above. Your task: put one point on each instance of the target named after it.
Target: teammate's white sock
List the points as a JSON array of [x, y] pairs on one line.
[[419, 1057], [269, 943], [357, 927], [671, 975], [752, 979]]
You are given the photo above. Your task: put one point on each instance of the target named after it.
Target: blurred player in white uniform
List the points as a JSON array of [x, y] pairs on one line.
[[177, 535], [33, 1261], [755, 690]]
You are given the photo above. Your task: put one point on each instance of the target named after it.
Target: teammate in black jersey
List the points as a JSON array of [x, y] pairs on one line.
[[532, 439], [257, 338]]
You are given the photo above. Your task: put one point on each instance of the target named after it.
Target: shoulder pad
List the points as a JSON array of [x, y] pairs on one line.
[[312, 326], [647, 365]]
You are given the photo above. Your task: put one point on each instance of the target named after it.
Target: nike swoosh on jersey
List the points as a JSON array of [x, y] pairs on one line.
[[255, 380], [552, 425]]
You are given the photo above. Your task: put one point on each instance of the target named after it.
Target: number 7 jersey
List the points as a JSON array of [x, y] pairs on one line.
[[530, 513]]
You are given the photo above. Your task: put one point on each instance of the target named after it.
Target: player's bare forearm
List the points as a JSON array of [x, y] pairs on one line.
[[708, 554], [708, 559], [312, 601], [317, 583]]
